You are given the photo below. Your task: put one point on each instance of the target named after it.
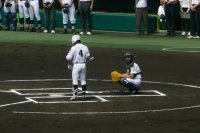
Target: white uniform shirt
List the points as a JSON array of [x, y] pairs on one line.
[[65, 1], [185, 3], [51, 1], [141, 4], [78, 53], [135, 69], [195, 2]]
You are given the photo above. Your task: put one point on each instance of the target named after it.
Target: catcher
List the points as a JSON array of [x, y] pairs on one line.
[[131, 79]]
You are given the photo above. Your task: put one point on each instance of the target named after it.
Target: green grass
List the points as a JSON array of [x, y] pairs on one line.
[[101, 39]]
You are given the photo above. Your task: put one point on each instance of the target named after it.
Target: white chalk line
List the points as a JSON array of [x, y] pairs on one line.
[[109, 112], [76, 113], [4, 105], [176, 49]]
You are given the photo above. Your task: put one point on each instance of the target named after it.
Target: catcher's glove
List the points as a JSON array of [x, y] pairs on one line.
[[8, 4], [115, 76], [27, 5]]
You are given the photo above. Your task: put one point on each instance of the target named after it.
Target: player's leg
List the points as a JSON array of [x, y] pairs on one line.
[[75, 77], [82, 17], [6, 17], [83, 80], [13, 16], [131, 84], [21, 15], [27, 16], [72, 18], [0, 21], [36, 10], [138, 20], [31, 14], [65, 21]]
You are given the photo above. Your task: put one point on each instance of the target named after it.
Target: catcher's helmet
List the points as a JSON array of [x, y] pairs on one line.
[[75, 38], [128, 56]]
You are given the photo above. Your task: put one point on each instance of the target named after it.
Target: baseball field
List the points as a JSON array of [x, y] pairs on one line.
[[35, 84]]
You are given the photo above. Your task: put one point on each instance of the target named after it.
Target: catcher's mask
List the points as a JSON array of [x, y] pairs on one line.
[[75, 39], [128, 57]]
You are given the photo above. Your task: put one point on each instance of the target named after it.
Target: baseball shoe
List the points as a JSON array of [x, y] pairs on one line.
[[196, 37], [183, 33], [81, 33], [74, 98], [189, 37], [89, 33], [53, 32], [45, 31]]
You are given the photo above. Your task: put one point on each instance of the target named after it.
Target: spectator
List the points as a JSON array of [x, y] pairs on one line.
[[161, 14], [141, 12], [185, 17], [85, 7], [194, 18], [49, 15], [68, 11], [171, 13]]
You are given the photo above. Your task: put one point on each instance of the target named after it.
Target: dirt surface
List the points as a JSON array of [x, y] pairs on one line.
[[30, 70]]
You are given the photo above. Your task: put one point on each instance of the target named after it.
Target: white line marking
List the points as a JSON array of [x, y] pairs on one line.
[[4, 105], [179, 49], [109, 112], [102, 99]]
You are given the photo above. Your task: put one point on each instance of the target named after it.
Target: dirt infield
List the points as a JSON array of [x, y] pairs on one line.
[[35, 86]]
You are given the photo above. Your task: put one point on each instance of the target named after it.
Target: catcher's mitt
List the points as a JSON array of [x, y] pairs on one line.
[[27, 5], [8, 4], [115, 76]]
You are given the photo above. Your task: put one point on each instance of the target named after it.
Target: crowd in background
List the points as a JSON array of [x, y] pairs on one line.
[[169, 13]]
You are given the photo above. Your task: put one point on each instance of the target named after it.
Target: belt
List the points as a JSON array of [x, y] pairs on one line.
[[79, 62]]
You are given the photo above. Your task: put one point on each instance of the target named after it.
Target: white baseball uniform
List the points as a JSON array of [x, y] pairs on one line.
[[70, 15], [78, 54], [34, 10], [10, 9], [23, 10], [135, 69]]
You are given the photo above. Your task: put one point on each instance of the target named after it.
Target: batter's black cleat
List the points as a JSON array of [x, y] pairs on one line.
[[137, 90]]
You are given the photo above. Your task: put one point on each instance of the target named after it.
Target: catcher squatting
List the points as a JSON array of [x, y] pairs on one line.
[[77, 58]]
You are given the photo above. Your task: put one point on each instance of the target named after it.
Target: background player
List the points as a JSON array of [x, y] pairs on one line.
[[132, 78], [35, 11], [78, 56], [10, 9], [23, 13], [68, 11]]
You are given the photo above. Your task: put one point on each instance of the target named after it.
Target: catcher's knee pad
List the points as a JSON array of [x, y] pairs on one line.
[[124, 82]]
